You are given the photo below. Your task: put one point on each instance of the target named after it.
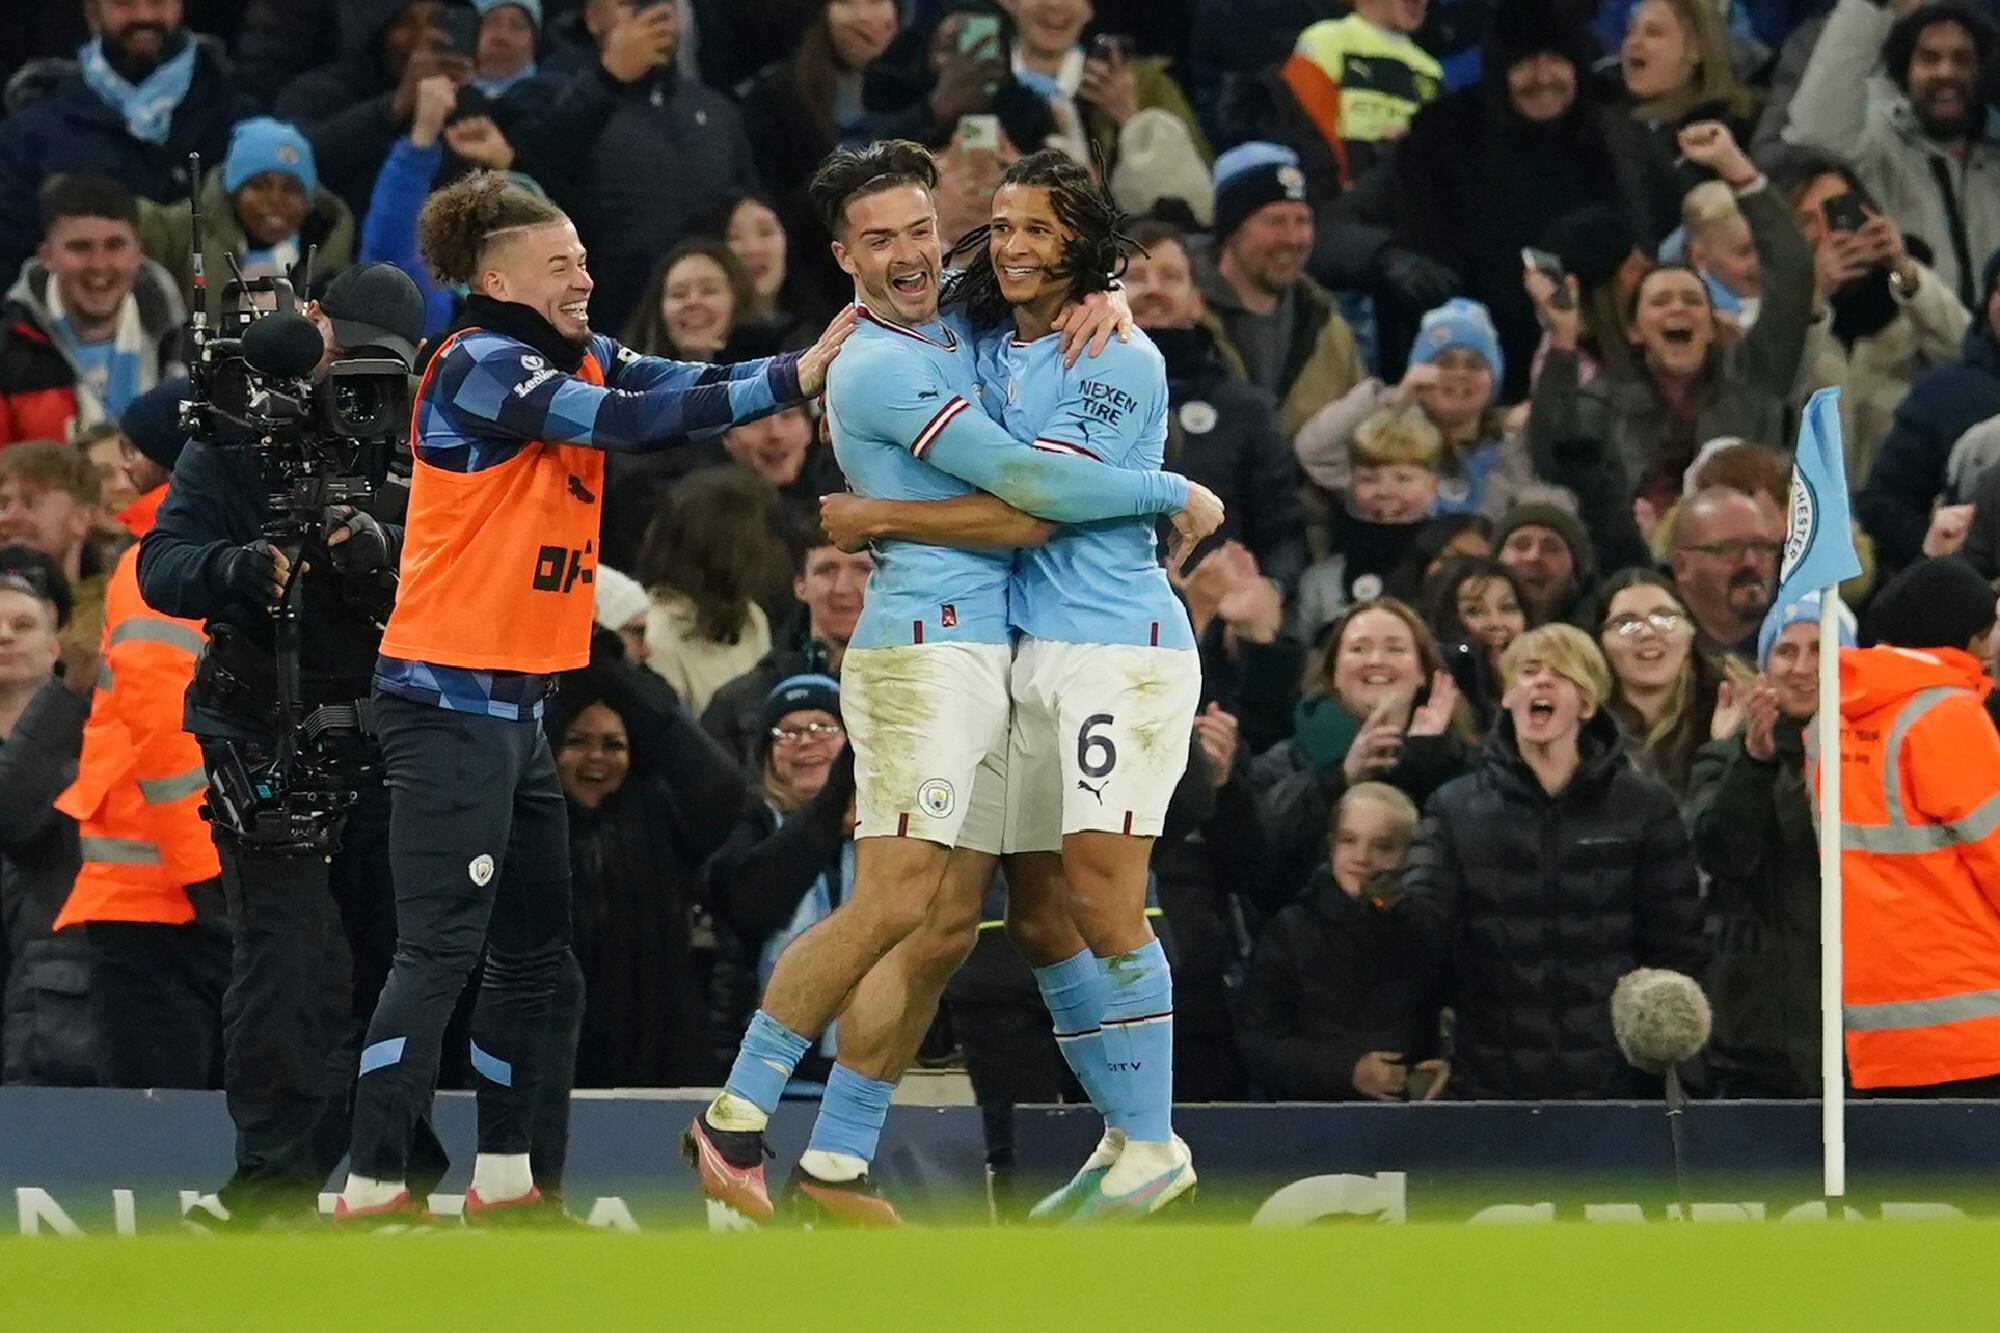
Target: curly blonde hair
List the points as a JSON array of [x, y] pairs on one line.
[[461, 220]]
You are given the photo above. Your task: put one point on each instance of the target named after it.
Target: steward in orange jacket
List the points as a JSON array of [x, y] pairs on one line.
[[1920, 840], [158, 972]]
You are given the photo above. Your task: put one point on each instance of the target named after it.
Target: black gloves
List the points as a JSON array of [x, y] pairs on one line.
[[252, 571], [367, 548], [1418, 278]]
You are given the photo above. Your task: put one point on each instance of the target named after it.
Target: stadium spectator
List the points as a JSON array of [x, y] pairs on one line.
[[789, 860], [1918, 844], [1552, 557], [783, 300], [1554, 838], [389, 227], [49, 501], [651, 798], [1687, 387], [1756, 839], [692, 305], [1894, 502], [105, 451], [618, 602], [649, 152], [1250, 664], [1879, 316], [1275, 326], [1676, 69], [1378, 704], [1354, 82], [1716, 243], [143, 94], [354, 108], [47, 1033], [1923, 147], [713, 556], [1454, 377], [785, 450], [1336, 1004], [1666, 693], [504, 50], [1516, 152], [1597, 247], [262, 205], [1475, 607], [810, 642], [1221, 431], [1441, 539], [1725, 565], [1393, 464], [90, 324]]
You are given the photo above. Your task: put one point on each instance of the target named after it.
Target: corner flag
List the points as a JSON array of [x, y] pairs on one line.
[[1819, 543]]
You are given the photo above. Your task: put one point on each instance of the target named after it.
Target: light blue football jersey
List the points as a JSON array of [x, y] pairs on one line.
[[904, 405], [1098, 582]]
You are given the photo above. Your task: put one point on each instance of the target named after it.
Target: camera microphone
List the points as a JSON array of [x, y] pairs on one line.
[[1660, 1018], [284, 346]]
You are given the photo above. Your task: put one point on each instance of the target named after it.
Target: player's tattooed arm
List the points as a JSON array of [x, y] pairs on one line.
[[965, 521]]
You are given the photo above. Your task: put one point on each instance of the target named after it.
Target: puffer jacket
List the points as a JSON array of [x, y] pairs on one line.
[[44, 394], [1536, 905], [1754, 837]]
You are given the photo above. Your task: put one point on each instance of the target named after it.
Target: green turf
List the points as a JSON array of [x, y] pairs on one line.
[[1446, 1278]]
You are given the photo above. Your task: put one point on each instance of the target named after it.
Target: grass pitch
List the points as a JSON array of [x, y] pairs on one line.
[[1865, 1275]]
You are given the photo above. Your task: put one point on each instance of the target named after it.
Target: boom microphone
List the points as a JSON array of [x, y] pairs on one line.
[[1660, 1018], [284, 346]]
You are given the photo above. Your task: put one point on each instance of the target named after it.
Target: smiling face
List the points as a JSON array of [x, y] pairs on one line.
[[1376, 659], [595, 756], [546, 269], [1793, 669], [1271, 247], [773, 447], [271, 205], [1547, 706], [115, 487], [1392, 492], [52, 521], [1673, 324], [93, 262], [136, 32], [1542, 87], [1542, 561], [1160, 285], [1463, 390], [861, 30], [696, 304], [1943, 79], [889, 246], [1049, 27], [1659, 55], [1027, 244], [804, 744], [756, 237], [832, 587], [1368, 838], [1490, 612], [1646, 637]]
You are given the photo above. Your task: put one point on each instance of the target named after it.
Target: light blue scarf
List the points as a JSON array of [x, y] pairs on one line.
[[498, 88], [148, 107]]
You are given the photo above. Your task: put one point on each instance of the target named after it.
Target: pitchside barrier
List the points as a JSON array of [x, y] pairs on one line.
[[103, 1162]]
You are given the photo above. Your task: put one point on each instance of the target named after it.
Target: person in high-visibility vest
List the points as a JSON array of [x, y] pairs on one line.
[[1920, 841], [147, 898]]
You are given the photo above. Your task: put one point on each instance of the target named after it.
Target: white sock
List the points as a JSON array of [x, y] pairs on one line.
[[832, 1167], [736, 1115], [1107, 1149], [368, 1192], [1140, 1161], [498, 1177]]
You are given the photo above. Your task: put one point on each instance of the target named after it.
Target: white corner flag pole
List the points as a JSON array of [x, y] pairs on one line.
[[1833, 1091]]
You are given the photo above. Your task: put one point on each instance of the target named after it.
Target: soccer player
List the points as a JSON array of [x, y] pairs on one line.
[[924, 691], [1105, 682]]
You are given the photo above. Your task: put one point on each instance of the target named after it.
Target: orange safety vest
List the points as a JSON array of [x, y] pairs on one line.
[[139, 781], [498, 565], [1920, 867]]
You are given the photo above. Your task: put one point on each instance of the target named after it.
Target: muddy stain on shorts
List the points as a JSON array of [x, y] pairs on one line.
[[899, 699]]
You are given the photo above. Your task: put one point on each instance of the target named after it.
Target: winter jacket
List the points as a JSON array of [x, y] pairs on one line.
[[1743, 388], [1224, 434], [47, 1035], [1467, 156], [1755, 839], [1920, 867], [694, 665], [1321, 364], [654, 159], [1332, 979], [1492, 476], [1894, 503], [735, 713], [1536, 905], [344, 106], [1875, 372], [72, 130], [42, 393], [1949, 199], [166, 233]]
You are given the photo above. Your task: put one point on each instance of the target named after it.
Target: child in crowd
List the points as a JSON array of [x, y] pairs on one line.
[[1392, 488]]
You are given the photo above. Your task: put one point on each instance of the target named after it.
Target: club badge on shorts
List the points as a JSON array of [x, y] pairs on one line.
[[481, 869], [935, 798]]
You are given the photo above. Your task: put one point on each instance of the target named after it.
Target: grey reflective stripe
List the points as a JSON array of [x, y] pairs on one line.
[[104, 675], [1892, 788], [1899, 837], [1921, 1013], [151, 629], [159, 791], [119, 851], [1895, 839]]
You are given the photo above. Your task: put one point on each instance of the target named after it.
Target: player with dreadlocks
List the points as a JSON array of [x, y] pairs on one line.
[[1105, 677]]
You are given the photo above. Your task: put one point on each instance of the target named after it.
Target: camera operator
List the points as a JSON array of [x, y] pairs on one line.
[[313, 934], [514, 412]]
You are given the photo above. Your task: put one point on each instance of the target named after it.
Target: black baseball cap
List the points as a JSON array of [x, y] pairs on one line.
[[375, 305], [25, 569]]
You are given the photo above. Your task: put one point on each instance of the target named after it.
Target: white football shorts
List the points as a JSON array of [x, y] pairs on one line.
[[928, 723]]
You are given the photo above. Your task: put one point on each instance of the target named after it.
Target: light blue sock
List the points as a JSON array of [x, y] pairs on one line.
[[1139, 1042], [764, 1062], [851, 1114], [1075, 992]]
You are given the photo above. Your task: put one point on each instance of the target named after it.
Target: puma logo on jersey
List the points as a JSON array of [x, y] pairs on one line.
[[1097, 791], [926, 393]]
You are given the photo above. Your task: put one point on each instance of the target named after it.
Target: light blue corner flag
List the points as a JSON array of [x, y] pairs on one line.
[[1819, 544]]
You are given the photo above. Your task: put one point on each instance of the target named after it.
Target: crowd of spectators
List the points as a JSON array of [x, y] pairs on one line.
[[1490, 320]]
